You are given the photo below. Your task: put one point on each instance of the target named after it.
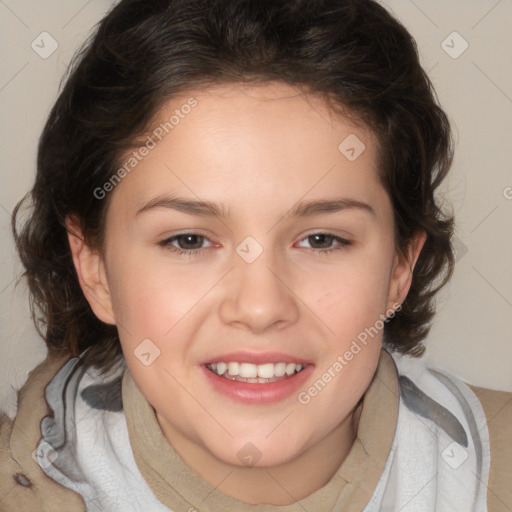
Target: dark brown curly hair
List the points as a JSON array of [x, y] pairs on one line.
[[352, 53]]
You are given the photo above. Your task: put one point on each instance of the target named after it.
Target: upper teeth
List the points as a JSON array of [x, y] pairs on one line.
[[248, 370]]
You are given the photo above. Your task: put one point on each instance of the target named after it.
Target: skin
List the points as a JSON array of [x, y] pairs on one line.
[[258, 150]]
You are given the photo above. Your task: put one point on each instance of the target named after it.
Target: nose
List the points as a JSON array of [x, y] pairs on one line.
[[258, 296]]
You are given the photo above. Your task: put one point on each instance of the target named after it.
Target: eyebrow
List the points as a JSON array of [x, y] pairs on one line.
[[210, 209]]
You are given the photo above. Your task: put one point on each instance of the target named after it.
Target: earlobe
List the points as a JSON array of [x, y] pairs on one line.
[[90, 269], [403, 269]]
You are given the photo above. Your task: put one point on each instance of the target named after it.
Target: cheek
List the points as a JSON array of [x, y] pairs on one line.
[[350, 299], [151, 298]]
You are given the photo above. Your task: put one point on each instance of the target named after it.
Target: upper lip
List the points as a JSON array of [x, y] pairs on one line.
[[256, 358]]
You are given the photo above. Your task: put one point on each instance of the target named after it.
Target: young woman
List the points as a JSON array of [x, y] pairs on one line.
[[233, 254]]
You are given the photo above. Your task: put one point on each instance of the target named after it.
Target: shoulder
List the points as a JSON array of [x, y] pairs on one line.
[[23, 484], [497, 406]]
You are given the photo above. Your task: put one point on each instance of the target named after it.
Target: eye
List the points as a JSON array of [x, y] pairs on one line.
[[188, 243], [192, 243], [325, 240]]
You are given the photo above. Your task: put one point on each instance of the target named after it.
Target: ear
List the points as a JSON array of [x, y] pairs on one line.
[[403, 267], [90, 269]]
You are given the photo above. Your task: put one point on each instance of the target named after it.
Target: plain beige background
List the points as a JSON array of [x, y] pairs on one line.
[[472, 334]]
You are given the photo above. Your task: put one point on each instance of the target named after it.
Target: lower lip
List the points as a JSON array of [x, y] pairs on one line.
[[256, 393]]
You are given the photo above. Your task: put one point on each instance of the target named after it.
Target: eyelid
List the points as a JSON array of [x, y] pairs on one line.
[[192, 231], [332, 232], [168, 239], [341, 241]]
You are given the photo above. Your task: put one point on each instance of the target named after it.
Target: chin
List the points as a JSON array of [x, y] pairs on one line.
[[254, 452]]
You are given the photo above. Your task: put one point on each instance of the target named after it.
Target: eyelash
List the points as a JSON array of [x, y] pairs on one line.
[[166, 244]]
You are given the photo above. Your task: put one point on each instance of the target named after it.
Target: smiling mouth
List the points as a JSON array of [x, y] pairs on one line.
[[255, 374]]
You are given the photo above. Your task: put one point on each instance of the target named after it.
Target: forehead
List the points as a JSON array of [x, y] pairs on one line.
[[234, 143], [251, 108]]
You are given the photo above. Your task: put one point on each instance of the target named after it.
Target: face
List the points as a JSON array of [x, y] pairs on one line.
[[292, 264]]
